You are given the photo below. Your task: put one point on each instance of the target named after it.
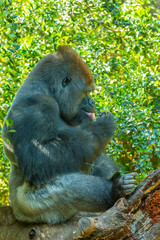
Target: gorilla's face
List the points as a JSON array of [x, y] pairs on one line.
[[71, 87], [73, 99]]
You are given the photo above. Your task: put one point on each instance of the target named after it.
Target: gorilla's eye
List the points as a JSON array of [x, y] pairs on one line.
[[66, 81]]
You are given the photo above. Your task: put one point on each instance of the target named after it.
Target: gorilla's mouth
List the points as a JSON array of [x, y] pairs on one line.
[[92, 115]]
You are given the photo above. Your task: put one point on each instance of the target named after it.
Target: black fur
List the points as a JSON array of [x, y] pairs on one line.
[[56, 140]]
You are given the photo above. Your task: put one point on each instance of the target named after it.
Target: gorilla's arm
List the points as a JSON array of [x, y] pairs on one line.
[[44, 151]]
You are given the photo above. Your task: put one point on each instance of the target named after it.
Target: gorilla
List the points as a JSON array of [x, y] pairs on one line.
[[58, 167]]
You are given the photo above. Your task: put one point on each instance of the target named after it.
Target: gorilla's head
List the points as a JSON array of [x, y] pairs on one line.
[[69, 82]]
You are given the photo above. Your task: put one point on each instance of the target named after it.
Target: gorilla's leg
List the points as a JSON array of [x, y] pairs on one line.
[[59, 200]]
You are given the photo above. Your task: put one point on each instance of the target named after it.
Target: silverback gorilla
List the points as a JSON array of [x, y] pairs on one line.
[[55, 142]]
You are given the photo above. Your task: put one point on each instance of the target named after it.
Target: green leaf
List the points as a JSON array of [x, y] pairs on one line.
[[8, 122], [12, 130]]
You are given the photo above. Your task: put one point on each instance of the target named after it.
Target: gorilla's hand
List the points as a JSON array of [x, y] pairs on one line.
[[104, 127]]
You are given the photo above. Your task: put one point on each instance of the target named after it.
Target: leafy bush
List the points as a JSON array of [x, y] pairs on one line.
[[120, 43]]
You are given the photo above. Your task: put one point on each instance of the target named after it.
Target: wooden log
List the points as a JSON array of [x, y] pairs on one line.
[[135, 218]]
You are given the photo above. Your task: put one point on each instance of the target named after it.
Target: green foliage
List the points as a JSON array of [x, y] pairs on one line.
[[120, 43]]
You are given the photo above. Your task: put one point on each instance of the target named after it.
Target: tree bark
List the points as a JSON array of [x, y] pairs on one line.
[[135, 218]]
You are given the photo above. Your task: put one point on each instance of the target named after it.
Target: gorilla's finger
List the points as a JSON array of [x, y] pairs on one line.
[[131, 175], [130, 186], [102, 114], [129, 181]]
